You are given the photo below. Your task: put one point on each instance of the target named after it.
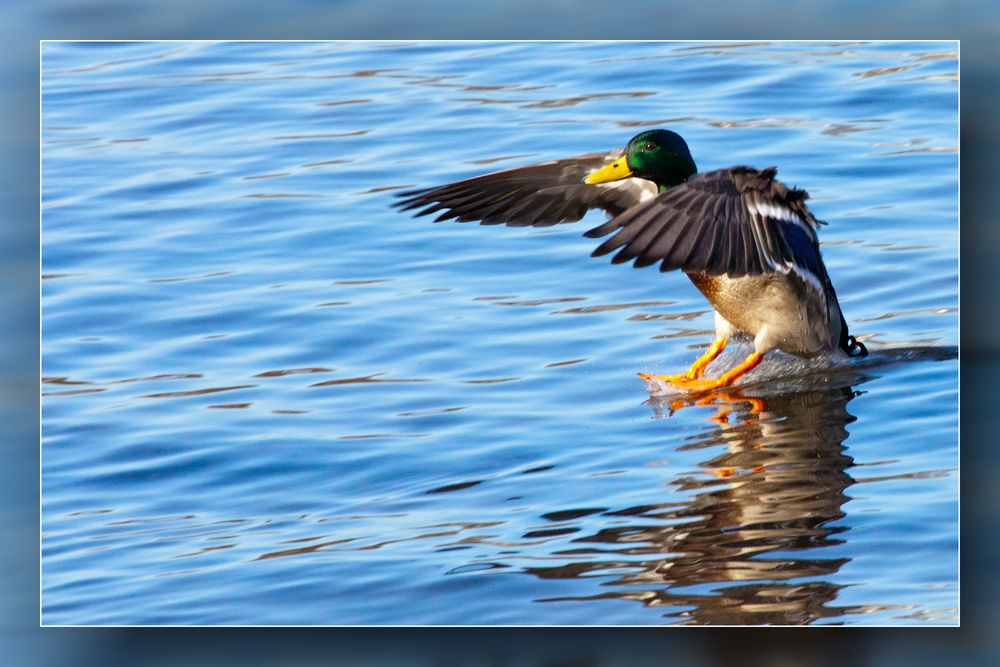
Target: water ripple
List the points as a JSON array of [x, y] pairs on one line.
[[370, 419]]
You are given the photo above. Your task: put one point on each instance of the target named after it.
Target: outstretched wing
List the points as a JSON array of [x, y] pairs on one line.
[[536, 195], [738, 221]]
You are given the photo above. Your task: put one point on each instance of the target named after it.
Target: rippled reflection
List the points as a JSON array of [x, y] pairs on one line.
[[758, 518]]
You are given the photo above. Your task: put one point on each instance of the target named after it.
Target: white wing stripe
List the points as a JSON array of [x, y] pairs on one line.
[[780, 213], [759, 237]]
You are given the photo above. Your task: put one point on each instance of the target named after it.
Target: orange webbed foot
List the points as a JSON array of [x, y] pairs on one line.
[[699, 386], [696, 369], [673, 379]]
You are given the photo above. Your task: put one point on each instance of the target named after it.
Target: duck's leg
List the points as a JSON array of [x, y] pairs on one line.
[[697, 368], [727, 378]]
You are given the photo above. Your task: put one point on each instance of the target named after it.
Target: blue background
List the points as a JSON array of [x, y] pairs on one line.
[[269, 397]]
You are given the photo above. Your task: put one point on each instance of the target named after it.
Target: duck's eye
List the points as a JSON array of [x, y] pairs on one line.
[[649, 146]]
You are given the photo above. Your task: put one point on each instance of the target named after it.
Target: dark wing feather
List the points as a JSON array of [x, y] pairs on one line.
[[738, 221], [536, 195]]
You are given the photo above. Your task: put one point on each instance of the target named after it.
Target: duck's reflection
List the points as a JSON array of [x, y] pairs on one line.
[[760, 515]]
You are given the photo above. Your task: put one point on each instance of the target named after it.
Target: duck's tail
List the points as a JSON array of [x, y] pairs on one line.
[[849, 343]]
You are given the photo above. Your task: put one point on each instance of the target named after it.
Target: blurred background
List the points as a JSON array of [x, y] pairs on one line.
[[22, 25]]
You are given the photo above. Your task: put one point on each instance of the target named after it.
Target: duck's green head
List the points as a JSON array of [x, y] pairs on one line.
[[660, 156]]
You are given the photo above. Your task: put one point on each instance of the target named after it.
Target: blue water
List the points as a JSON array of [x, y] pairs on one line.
[[268, 397]]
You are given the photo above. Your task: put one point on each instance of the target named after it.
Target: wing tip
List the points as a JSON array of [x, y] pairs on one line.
[[603, 230]]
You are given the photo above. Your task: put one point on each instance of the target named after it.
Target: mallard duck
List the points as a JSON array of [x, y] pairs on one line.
[[747, 241]]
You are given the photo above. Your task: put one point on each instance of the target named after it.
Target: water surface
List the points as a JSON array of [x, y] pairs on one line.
[[268, 397]]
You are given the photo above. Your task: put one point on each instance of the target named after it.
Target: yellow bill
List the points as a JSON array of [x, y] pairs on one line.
[[615, 171]]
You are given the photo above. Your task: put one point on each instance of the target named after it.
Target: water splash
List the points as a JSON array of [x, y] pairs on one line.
[[780, 372]]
